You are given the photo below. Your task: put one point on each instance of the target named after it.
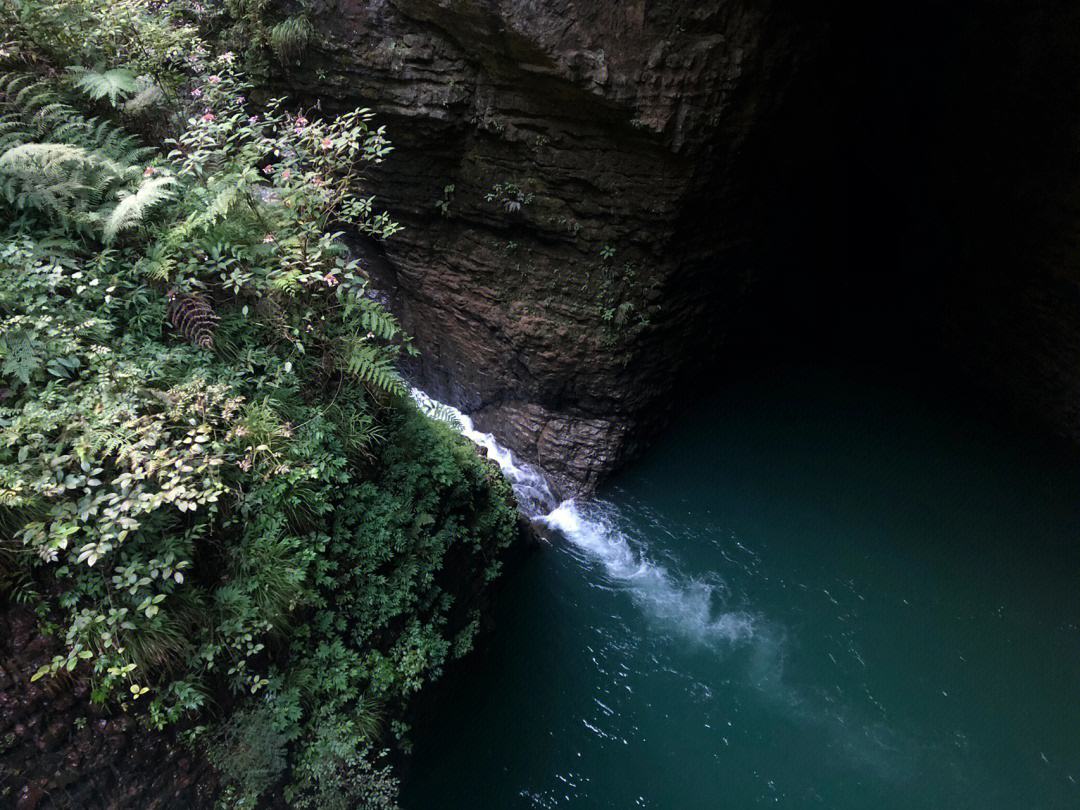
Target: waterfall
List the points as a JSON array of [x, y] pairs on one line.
[[692, 608]]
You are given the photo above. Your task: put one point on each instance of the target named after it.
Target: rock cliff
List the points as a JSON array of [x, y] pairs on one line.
[[574, 182], [597, 195]]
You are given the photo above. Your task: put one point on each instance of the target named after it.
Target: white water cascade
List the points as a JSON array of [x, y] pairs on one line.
[[687, 606]]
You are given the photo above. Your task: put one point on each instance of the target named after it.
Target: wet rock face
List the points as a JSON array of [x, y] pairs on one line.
[[58, 750], [567, 172]]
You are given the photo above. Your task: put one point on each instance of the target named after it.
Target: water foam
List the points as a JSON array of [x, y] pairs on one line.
[[692, 608], [531, 488]]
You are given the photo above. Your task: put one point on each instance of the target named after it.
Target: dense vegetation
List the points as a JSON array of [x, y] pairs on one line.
[[213, 487]]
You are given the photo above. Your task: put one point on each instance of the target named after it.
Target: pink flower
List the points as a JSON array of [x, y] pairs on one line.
[[326, 143], [330, 279], [228, 57], [285, 175], [196, 93], [301, 121], [268, 169], [253, 120], [240, 99], [148, 171], [268, 239], [208, 116], [213, 79]]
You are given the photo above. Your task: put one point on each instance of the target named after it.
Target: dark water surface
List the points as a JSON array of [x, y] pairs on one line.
[[816, 591]]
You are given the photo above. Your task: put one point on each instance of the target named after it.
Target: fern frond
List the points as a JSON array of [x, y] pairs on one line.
[[220, 203], [12, 133], [56, 123], [148, 95], [133, 208], [115, 85], [193, 317], [377, 320], [20, 356], [159, 261], [11, 83], [441, 412], [32, 95], [373, 365], [56, 114], [118, 144], [41, 175]]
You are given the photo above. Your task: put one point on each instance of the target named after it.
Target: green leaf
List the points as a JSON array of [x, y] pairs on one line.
[[133, 208], [116, 85]]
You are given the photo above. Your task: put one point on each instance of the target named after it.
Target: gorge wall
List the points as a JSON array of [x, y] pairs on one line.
[[599, 196], [576, 180]]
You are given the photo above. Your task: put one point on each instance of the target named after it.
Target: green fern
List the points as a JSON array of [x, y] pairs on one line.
[[147, 95], [132, 209], [219, 201], [375, 319], [19, 353], [373, 365], [31, 112], [441, 412], [27, 92], [12, 133], [71, 185], [47, 177], [82, 173], [116, 85], [48, 158]]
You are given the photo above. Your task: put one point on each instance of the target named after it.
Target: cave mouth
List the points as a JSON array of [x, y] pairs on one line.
[[915, 193]]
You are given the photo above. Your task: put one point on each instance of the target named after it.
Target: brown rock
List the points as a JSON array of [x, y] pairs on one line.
[[581, 140]]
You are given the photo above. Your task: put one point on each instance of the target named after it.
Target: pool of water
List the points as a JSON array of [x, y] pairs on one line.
[[823, 588]]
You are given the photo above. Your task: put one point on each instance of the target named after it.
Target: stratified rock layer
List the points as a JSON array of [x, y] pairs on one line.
[[596, 193], [567, 173]]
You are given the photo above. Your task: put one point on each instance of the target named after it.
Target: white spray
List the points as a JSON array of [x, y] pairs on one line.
[[686, 606]]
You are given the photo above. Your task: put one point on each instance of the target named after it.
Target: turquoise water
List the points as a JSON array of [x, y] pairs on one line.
[[819, 590]]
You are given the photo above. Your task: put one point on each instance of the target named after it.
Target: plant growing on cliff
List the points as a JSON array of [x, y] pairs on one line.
[[442, 205], [115, 85], [509, 196], [207, 468], [289, 39], [118, 436]]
